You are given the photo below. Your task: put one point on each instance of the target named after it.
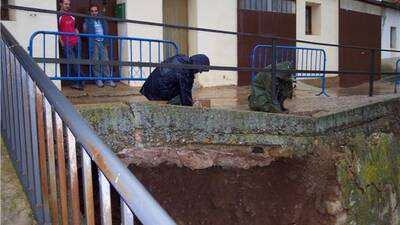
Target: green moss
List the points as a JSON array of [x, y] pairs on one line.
[[114, 123], [15, 206], [369, 177], [96, 115]]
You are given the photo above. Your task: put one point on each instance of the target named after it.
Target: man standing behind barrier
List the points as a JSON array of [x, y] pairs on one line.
[[260, 98], [66, 23], [174, 84], [97, 46]]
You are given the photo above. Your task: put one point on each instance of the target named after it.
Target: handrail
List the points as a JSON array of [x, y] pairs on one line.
[[127, 185]]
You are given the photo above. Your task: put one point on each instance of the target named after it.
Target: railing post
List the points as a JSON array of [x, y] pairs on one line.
[[371, 76], [396, 77], [253, 64], [273, 73]]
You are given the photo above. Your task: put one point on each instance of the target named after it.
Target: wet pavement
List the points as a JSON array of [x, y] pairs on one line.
[[305, 102]]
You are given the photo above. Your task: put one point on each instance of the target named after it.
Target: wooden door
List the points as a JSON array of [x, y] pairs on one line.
[[262, 22], [176, 12], [358, 29]]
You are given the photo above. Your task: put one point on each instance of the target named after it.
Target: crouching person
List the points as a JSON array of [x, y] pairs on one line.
[[260, 98], [174, 84]]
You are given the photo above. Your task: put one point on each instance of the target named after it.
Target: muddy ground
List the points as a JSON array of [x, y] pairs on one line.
[[289, 191]]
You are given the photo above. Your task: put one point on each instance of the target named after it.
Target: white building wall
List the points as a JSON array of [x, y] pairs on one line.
[[23, 24], [328, 28], [361, 7], [220, 48], [390, 18], [152, 11]]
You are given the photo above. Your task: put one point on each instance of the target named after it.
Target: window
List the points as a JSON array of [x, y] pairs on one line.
[[312, 19], [308, 20], [393, 37], [279, 6]]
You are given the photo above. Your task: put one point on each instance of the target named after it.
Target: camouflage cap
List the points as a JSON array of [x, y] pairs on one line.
[[284, 66]]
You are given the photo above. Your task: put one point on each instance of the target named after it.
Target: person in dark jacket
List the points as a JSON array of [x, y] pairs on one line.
[[174, 84], [260, 98]]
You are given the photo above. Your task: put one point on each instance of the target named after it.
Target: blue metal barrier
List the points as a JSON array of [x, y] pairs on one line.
[[302, 58], [136, 50], [397, 80]]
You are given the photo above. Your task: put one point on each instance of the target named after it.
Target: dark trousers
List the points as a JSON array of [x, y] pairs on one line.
[[73, 70]]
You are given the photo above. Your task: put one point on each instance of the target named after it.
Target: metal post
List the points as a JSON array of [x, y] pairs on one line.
[[120, 42], [396, 82], [51, 161], [273, 73], [127, 217], [105, 200], [253, 63], [131, 57], [88, 187], [73, 177], [371, 76], [42, 213]]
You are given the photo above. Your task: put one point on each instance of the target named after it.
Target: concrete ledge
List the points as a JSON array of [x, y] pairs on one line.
[[140, 124], [356, 116], [219, 121], [114, 123]]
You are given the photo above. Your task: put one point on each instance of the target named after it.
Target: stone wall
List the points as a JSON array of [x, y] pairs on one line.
[[369, 175], [362, 143], [142, 125]]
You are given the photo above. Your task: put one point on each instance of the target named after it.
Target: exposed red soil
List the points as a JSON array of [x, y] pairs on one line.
[[286, 192]]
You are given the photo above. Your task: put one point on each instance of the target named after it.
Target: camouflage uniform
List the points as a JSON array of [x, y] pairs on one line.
[[260, 98]]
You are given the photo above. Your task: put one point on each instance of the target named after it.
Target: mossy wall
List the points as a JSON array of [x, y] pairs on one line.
[[114, 123], [369, 175]]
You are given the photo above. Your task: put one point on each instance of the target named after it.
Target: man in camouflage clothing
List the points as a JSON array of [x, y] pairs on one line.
[[260, 98]]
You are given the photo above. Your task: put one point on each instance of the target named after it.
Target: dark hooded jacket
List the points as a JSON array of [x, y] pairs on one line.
[[168, 83]]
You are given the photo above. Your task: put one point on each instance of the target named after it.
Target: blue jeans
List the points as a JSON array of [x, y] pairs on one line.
[[70, 52], [100, 53]]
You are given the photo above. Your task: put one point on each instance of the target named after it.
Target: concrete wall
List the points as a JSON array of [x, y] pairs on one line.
[[222, 49], [141, 124], [22, 24], [390, 18], [328, 28], [361, 7], [150, 10]]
